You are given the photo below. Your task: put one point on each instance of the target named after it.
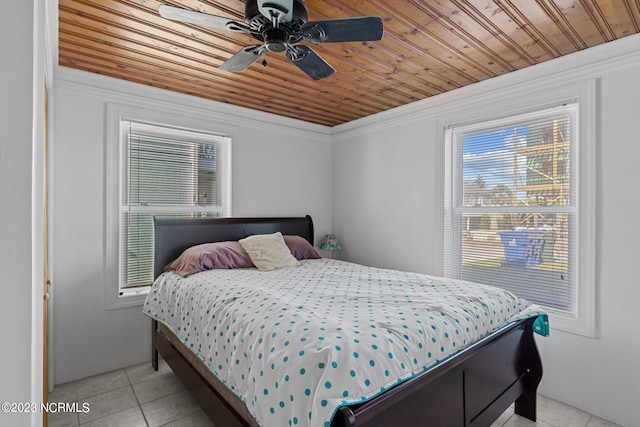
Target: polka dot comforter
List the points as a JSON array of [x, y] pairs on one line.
[[296, 343]]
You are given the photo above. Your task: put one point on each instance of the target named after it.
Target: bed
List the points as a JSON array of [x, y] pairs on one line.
[[471, 386]]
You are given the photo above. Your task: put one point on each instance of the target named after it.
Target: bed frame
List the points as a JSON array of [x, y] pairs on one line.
[[472, 388]]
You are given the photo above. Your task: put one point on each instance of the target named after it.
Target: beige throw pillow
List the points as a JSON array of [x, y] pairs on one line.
[[268, 251]]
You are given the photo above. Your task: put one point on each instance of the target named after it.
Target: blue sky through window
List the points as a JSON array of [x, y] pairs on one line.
[[491, 156]]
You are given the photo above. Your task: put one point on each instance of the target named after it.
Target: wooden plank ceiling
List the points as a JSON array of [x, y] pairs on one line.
[[429, 47]]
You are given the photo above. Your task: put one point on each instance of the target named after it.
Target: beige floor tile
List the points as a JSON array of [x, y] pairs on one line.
[[518, 421], [102, 383], [131, 417], [599, 422], [199, 419], [108, 403], [63, 419], [169, 408], [559, 414], [145, 371], [156, 387], [64, 393]]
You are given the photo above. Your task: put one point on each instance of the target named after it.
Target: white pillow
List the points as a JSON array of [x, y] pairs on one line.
[[268, 251]]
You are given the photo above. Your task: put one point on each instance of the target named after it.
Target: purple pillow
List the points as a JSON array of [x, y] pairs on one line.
[[210, 256], [300, 248]]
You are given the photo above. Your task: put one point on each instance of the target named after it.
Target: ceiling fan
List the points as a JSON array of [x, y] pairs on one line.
[[278, 24]]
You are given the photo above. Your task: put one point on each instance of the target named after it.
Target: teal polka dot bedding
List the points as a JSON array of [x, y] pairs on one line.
[[296, 343]]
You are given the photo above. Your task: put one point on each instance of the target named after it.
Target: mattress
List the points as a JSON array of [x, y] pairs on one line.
[[296, 343]]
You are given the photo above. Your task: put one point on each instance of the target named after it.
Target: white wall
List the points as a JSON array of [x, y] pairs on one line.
[[281, 167], [387, 189], [21, 215], [384, 197]]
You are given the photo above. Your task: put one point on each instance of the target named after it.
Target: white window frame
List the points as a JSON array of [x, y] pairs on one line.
[[508, 105], [114, 171]]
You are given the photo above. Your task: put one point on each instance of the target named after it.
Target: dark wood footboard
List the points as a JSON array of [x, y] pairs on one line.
[[470, 389]]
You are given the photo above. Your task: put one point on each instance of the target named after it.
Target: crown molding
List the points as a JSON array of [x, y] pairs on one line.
[[584, 65], [125, 92]]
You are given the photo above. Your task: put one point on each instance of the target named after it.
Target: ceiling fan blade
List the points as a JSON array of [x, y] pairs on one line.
[[200, 18], [241, 60], [366, 28], [310, 62]]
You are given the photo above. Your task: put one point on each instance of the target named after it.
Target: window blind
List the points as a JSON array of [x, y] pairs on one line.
[[166, 172], [511, 216]]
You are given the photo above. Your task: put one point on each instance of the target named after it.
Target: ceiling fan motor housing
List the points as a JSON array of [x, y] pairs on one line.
[[276, 39]]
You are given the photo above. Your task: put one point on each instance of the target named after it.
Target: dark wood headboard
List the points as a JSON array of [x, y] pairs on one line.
[[174, 235]]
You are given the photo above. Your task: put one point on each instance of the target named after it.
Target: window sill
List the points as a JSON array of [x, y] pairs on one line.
[[583, 325], [128, 298]]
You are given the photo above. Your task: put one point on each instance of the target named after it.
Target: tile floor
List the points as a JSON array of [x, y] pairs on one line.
[[140, 397]]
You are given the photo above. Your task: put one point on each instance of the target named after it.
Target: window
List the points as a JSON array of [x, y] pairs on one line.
[[512, 211], [161, 171]]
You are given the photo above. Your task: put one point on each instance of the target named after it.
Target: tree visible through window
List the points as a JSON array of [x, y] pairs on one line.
[[511, 216]]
